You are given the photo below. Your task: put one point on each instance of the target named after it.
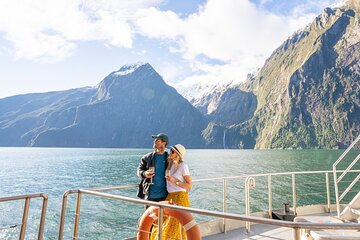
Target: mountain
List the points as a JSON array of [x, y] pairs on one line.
[[202, 95], [234, 105], [24, 117], [125, 109], [307, 92]]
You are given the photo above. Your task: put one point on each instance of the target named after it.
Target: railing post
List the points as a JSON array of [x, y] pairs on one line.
[[294, 192], [328, 191], [247, 204], [24, 219], [336, 191], [42, 218], [77, 216], [249, 182], [224, 204], [160, 218], [62, 216], [270, 196], [297, 233]]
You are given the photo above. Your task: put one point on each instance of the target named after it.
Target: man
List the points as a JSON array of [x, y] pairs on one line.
[[153, 184]]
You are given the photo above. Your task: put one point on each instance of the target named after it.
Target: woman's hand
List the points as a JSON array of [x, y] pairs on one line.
[[171, 179], [187, 184]]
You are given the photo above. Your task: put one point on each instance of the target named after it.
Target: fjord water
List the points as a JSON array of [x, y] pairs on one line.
[[55, 170]]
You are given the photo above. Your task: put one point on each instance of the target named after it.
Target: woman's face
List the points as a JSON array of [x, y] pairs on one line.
[[172, 154]]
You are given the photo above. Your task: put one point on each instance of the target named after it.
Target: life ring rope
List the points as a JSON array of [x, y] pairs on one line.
[[189, 225], [153, 215]]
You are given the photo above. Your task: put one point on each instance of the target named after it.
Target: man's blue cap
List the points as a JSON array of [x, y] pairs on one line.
[[161, 136]]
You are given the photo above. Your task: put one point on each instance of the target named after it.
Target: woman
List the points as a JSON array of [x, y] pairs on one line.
[[179, 182]]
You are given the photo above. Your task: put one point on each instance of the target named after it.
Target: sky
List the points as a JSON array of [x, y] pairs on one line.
[[64, 44]]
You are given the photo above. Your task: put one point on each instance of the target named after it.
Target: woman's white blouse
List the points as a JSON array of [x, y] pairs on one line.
[[183, 170]]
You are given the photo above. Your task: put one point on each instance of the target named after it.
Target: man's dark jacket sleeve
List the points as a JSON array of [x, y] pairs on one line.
[[144, 165], [143, 191]]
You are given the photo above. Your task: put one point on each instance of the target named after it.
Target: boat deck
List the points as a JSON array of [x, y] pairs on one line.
[[258, 231], [265, 231]]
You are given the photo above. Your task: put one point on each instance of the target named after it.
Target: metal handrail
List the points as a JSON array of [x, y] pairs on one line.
[[296, 226], [293, 184], [339, 197], [348, 168], [225, 215], [27, 198], [64, 203]]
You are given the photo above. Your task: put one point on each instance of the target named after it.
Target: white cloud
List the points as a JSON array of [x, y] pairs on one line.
[[236, 33], [230, 30], [309, 6], [154, 23], [169, 72], [50, 30]]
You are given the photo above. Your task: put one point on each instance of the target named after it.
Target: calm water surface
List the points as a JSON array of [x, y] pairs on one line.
[[55, 170]]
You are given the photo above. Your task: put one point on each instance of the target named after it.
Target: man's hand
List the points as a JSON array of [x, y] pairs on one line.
[[149, 174]]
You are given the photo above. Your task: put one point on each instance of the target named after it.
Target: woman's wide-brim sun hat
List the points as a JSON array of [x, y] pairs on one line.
[[180, 150]]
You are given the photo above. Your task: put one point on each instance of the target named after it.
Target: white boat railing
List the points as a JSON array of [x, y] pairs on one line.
[[249, 184], [296, 226], [338, 179], [27, 199]]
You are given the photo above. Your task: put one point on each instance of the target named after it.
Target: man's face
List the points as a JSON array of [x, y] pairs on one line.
[[158, 144]]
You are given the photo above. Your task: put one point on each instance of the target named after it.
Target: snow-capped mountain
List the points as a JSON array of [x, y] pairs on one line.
[[204, 97], [128, 68]]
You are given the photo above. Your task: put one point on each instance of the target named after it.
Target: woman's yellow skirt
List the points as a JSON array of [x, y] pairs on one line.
[[172, 229]]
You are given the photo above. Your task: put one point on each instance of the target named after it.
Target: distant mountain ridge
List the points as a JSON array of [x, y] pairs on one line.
[[126, 108], [24, 117]]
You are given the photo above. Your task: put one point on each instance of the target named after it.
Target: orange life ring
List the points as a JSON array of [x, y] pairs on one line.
[[185, 219]]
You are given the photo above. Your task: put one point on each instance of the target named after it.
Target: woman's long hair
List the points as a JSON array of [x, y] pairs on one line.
[[175, 161]]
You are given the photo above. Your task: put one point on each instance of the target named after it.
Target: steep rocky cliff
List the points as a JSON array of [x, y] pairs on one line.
[[308, 90]]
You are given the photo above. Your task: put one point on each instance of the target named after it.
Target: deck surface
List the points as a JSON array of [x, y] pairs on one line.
[[258, 231]]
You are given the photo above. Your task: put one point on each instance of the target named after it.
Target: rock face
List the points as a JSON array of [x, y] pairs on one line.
[[235, 106], [317, 103], [308, 91], [128, 107]]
